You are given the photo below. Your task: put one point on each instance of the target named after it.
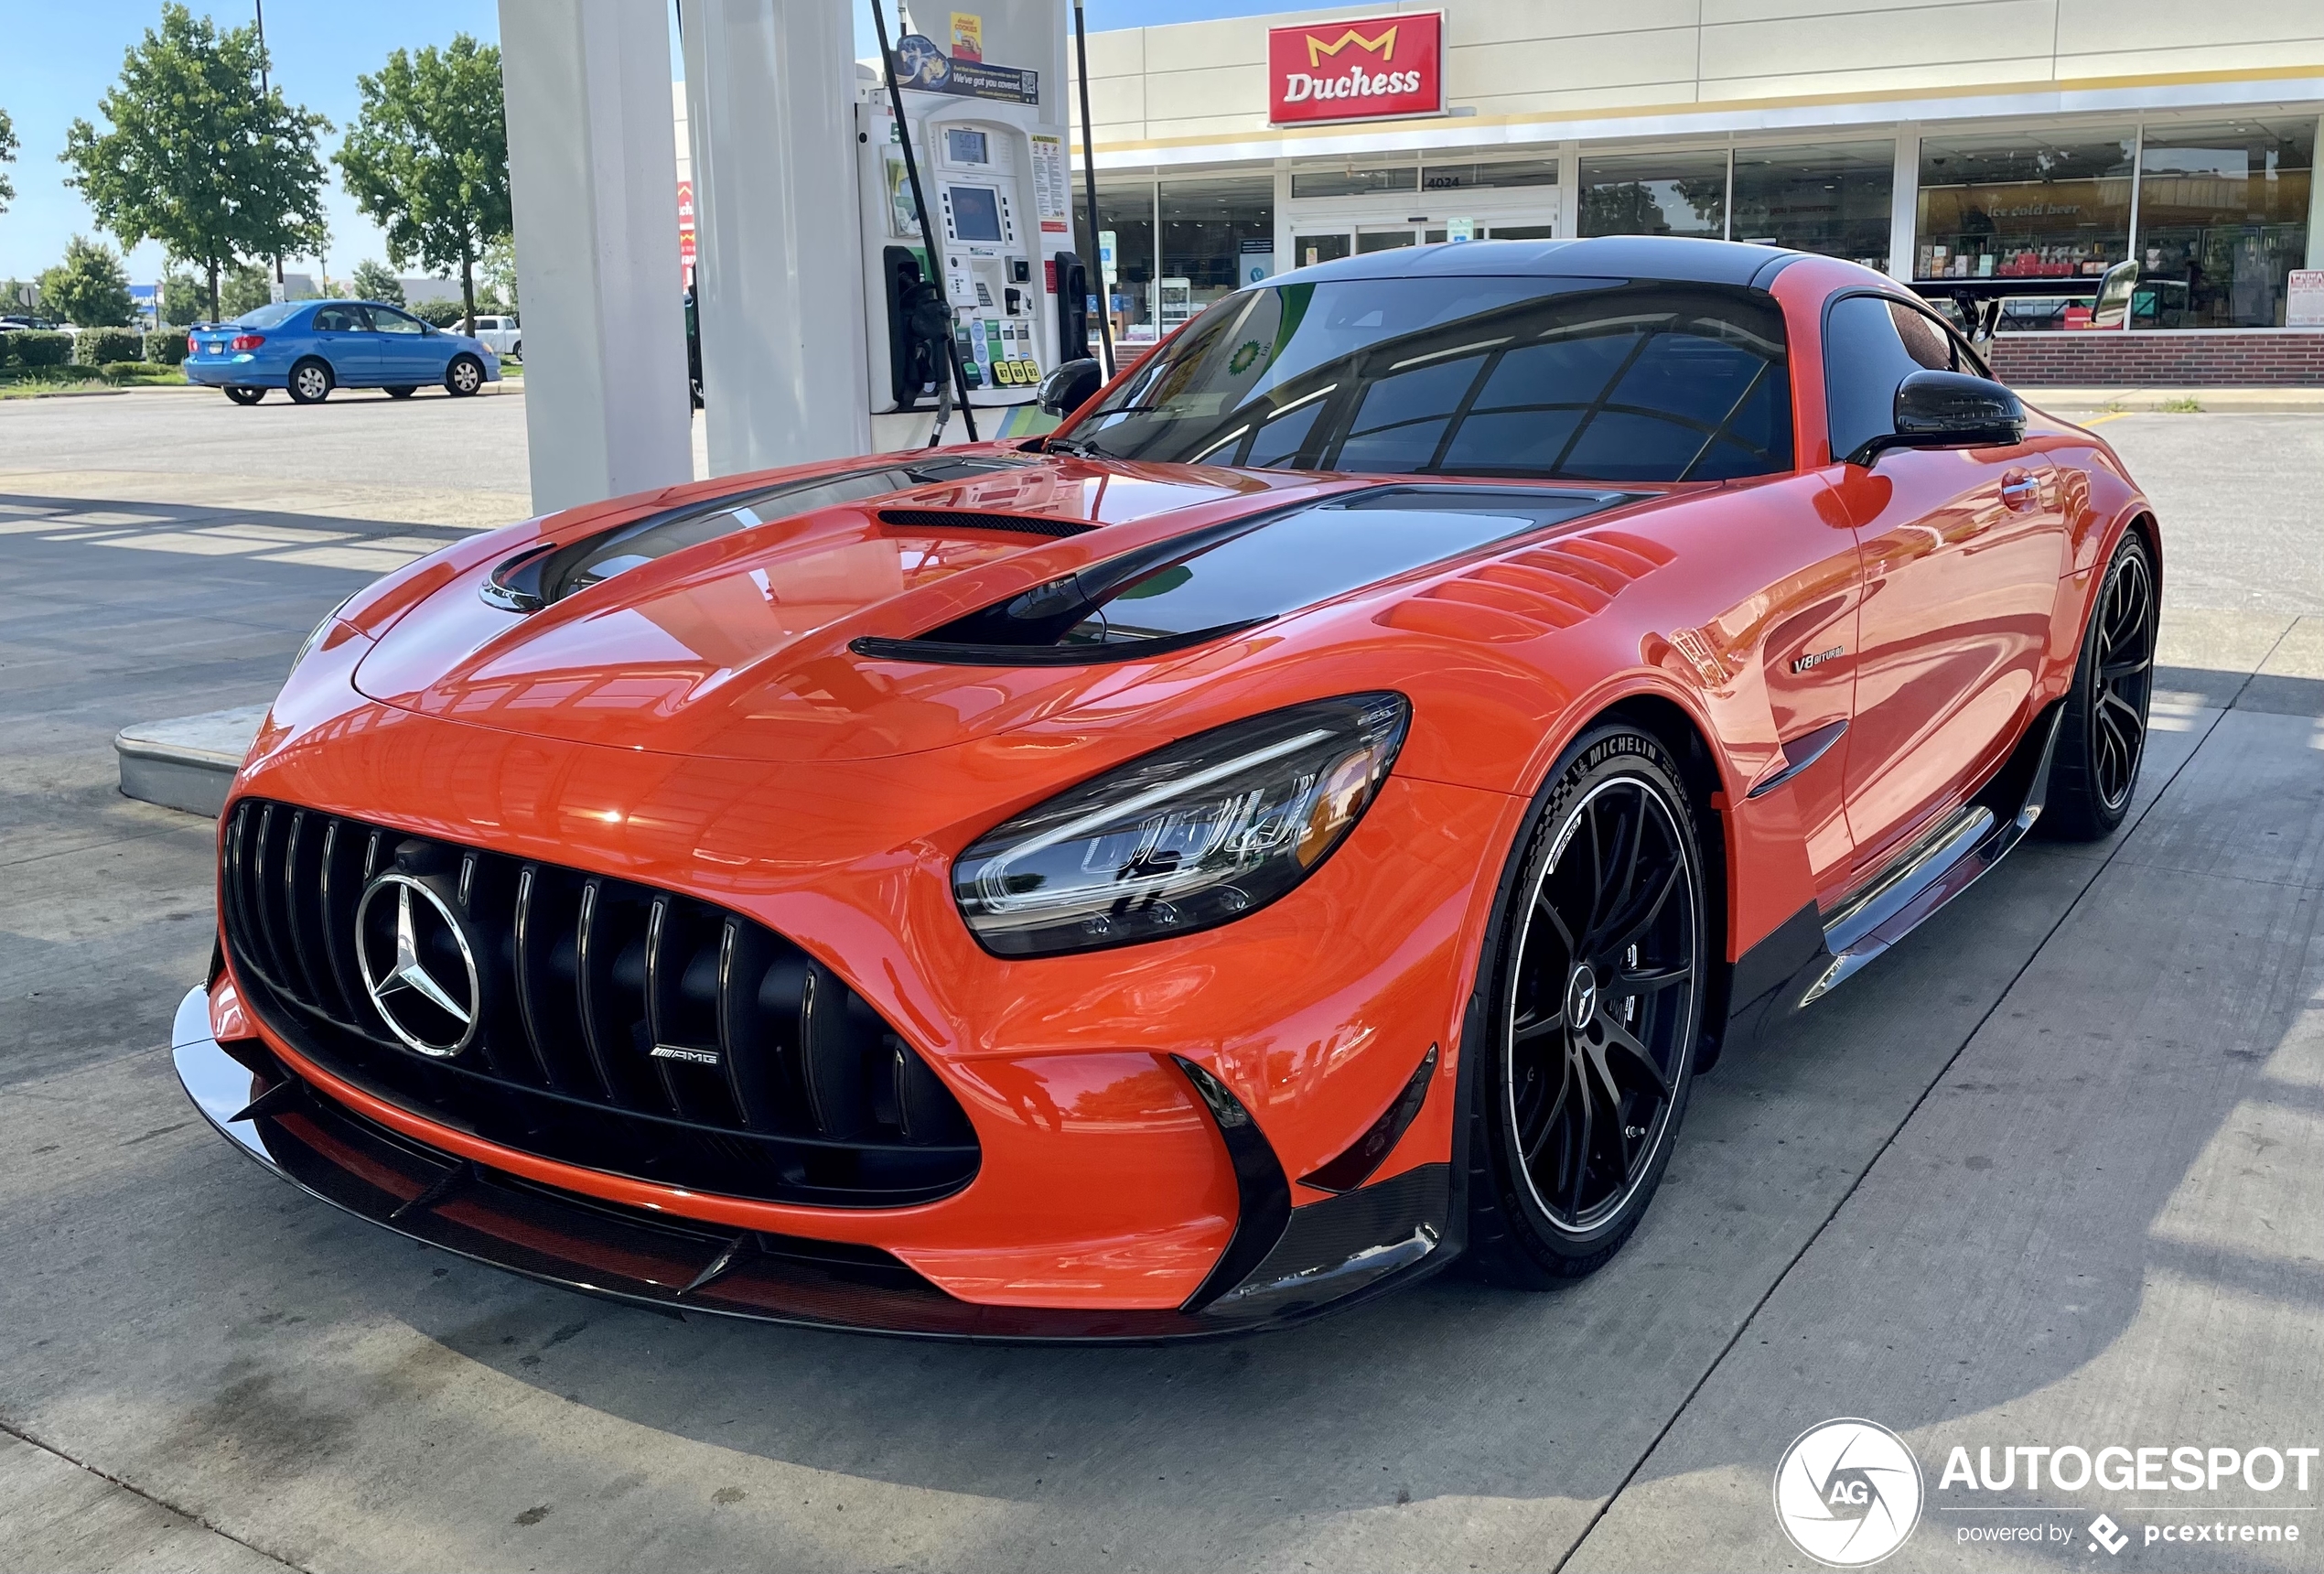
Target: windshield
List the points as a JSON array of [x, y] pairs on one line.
[[271, 315], [1576, 378]]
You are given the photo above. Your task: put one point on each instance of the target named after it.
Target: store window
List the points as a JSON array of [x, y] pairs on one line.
[[1355, 180], [1656, 194], [2021, 205], [1218, 234], [2222, 218], [1502, 173], [1128, 211], [1832, 197]]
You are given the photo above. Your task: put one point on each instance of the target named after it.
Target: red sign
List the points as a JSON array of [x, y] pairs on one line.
[[686, 222], [1369, 69]]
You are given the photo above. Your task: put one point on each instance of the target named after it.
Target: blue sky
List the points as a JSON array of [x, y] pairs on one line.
[[60, 58]]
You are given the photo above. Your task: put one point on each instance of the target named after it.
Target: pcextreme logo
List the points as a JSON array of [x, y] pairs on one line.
[[1367, 69], [1847, 1493]]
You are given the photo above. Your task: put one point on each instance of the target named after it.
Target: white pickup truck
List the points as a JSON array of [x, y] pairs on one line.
[[501, 336]]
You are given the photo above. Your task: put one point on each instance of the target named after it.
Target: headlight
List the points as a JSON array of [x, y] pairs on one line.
[[1195, 834]]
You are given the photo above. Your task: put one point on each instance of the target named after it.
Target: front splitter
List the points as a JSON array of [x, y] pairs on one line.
[[627, 1254]]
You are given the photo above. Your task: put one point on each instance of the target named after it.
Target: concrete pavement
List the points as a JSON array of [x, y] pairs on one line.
[[2044, 1173]]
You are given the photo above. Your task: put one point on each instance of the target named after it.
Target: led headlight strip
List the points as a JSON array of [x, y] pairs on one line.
[[1192, 835]]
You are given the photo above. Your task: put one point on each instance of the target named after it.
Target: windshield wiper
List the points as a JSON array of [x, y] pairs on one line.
[[1079, 447]]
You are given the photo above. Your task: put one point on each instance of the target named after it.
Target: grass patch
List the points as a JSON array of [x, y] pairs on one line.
[[39, 381], [2185, 405]]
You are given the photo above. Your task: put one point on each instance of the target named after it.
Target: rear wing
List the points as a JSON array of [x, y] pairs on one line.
[[1979, 300]]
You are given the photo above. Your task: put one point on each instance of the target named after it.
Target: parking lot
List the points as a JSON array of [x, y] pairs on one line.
[[2047, 1174]]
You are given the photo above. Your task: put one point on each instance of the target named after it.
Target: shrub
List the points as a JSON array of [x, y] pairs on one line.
[[166, 346], [37, 346], [438, 313], [135, 371], [96, 346]]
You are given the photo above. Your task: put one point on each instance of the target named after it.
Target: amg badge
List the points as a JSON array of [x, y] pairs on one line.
[[684, 1052]]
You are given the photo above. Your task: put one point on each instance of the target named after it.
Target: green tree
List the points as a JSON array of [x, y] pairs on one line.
[[7, 156], [427, 158], [498, 269], [181, 298], [196, 156], [88, 288], [375, 281], [247, 288]]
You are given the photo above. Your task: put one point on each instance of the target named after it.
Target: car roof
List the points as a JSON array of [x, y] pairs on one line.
[[1672, 258]]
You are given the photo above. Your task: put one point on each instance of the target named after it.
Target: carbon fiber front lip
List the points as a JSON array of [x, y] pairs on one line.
[[576, 1243]]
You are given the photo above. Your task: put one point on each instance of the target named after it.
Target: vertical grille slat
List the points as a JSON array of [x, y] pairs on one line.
[[340, 888], [657, 938], [776, 1080], [305, 943], [588, 944], [531, 1009]]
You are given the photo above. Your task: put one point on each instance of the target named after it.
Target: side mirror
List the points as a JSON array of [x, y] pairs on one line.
[[1949, 410], [1068, 387]]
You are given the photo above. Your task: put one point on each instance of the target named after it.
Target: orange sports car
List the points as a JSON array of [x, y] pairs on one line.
[[1306, 821]]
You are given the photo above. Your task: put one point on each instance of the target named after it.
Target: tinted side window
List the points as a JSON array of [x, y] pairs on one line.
[[1864, 360], [388, 321], [336, 320]]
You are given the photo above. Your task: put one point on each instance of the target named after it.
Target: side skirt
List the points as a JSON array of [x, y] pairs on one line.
[[1813, 955]]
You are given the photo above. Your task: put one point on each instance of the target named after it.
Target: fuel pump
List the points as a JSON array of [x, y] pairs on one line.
[[984, 108]]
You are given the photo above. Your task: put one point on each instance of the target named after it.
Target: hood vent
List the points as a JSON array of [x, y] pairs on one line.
[[1212, 582], [542, 576], [967, 519]]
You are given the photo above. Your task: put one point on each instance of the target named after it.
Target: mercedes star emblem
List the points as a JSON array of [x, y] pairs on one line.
[[417, 966]]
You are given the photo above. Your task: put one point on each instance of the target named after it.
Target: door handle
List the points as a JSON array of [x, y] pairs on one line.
[[2020, 491]]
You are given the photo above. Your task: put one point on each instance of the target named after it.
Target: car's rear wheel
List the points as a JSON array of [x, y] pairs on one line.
[[402, 391], [516, 350], [311, 383], [464, 376], [2102, 738], [1596, 974], [245, 396]]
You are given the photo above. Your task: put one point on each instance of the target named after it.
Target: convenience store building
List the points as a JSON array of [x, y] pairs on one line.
[[1935, 139]]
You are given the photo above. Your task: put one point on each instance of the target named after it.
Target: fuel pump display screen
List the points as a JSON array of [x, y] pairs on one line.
[[977, 211], [964, 147]]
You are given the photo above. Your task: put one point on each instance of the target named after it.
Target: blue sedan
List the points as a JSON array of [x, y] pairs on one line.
[[310, 347]]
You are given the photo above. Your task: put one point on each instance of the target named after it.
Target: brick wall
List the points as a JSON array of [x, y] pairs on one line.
[[2150, 360]]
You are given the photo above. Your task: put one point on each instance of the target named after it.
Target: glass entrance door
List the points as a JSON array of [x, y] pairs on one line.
[[1385, 239], [1308, 250]]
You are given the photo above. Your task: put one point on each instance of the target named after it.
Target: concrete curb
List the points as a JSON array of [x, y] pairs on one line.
[[188, 761], [2175, 401]]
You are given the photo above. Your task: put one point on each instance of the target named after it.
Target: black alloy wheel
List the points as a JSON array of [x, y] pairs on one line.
[[311, 383], [464, 376], [245, 396], [402, 391], [2102, 736], [1600, 966]]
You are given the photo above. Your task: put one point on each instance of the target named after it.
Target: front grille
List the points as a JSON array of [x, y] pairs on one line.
[[616, 1025]]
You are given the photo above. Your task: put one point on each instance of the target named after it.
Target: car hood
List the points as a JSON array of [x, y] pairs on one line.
[[738, 646]]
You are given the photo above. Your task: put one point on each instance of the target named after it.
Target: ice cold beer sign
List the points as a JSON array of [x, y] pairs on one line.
[[1368, 69]]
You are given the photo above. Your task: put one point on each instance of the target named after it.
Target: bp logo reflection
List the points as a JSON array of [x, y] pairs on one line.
[[1847, 1493]]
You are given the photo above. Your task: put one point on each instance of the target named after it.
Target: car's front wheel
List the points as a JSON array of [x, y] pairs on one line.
[[245, 396], [1596, 973], [311, 383], [464, 376], [2102, 738]]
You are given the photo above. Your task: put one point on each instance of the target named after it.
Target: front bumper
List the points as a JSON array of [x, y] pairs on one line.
[[1291, 1265]]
